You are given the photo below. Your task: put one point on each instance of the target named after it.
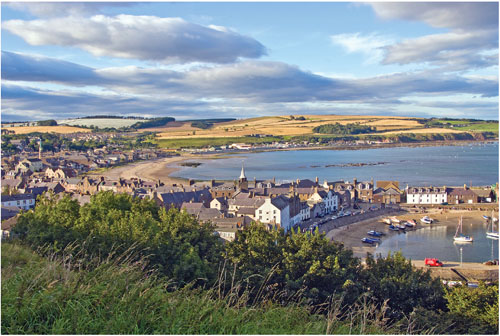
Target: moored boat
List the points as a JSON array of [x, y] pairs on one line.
[[393, 228], [490, 232], [426, 220], [395, 219], [459, 236], [410, 224], [370, 240], [387, 221], [374, 233]]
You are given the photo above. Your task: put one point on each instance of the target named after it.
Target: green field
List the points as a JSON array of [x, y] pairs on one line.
[[206, 142], [480, 127]]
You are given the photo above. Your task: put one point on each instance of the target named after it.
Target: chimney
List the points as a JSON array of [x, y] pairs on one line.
[[212, 183], [354, 181], [465, 186], [317, 180], [298, 182]]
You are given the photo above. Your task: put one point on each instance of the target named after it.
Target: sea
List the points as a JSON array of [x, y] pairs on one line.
[[436, 240], [475, 164]]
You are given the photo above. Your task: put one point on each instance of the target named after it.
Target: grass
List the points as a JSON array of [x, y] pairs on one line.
[[480, 127], [216, 141], [54, 296]]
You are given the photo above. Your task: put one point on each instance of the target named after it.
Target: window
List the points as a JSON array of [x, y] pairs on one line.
[[274, 211]]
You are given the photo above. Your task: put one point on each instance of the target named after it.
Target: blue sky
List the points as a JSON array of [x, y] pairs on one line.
[[199, 60]]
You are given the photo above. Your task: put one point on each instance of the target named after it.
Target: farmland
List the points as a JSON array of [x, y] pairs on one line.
[[47, 129], [284, 126], [100, 122]]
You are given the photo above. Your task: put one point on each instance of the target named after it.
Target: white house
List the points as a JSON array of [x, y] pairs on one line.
[[22, 201], [329, 198], [274, 211], [305, 211], [426, 195]]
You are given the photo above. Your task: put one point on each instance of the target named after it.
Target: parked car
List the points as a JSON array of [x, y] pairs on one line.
[[433, 262]]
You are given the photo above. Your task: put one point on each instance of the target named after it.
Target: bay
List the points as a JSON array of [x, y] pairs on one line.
[[475, 164], [436, 241]]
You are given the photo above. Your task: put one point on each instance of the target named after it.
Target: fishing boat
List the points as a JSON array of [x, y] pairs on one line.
[[459, 236], [426, 220], [410, 224], [374, 233], [370, 240], [401, 226], [393, 228], [387, 221], [395, 219]]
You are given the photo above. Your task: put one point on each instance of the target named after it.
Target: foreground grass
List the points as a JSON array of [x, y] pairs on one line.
[[51, 296]]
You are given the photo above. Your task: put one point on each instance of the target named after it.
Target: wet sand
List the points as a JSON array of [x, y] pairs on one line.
[[350, 235]]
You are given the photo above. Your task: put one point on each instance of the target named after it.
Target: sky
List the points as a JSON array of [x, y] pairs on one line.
[[239, 60]]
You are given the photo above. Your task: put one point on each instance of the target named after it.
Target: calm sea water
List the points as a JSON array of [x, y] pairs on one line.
[[436, 241], [418, 166]]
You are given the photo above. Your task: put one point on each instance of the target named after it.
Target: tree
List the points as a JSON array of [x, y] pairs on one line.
[[50, 122], [395, 279], [112, 224], [285, 265], [478, 306]]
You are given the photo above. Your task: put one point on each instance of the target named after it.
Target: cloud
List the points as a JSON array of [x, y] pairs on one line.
[[168, 40], [19, 67], [458, 50], [58, 9], [30, 103], [457, 15], [247, 82], [370, 45], [474, 29]]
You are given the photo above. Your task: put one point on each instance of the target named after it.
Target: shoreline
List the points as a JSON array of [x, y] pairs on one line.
[[351, 234], [162, 169]]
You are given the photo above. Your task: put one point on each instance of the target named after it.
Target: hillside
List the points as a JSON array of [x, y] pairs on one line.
[[288, 126], [47, 297]]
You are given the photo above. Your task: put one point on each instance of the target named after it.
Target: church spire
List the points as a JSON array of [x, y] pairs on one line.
[[242, 175]]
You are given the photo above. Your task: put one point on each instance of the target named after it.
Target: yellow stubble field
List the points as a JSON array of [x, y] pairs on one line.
[[283, 125], [48, 129]]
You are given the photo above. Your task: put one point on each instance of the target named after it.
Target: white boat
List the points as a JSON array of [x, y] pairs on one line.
[[395, 219], [426, 220], [491, 233], [387, 221], [410, 224], [459, 236]]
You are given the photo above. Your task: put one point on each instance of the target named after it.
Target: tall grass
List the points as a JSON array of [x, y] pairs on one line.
[[54, 295]]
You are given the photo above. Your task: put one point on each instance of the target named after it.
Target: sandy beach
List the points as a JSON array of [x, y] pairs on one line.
[[350, 235], [153, 170]]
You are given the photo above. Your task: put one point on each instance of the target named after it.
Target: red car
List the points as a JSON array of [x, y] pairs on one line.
[[433, 262]]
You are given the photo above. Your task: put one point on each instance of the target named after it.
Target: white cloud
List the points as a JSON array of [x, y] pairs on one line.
[[58, 9], [168, 40], [457, 15], [370, 45], [473, 31]]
